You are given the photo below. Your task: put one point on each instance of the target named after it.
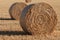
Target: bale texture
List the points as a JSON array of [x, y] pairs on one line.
[[16, 9], [39, 19]]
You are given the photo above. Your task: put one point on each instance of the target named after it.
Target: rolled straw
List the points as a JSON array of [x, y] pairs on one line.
[[28, 1], [38, 19], [16, 9]]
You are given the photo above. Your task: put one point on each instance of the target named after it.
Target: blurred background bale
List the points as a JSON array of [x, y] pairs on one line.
[[16, 9], [28, 1]]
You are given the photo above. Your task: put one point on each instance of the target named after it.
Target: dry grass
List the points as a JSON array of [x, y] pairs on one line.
[[54, 36], [9, 25]]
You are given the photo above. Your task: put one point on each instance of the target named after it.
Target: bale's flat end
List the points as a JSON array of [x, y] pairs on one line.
[[40, 19], [16, 9]]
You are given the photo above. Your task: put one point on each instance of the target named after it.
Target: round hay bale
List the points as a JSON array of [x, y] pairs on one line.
[[39, 19], [27, 1], [16, 9]]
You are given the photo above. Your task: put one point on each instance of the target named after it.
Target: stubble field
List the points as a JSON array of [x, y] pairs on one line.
[[11, 29]]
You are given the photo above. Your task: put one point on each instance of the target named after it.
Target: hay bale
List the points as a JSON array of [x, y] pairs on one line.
[[39, 19], [28, 1], [16, 9]]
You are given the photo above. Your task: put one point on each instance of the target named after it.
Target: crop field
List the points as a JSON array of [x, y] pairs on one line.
[[11, 30]]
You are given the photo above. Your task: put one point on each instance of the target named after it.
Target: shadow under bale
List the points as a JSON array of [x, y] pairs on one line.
[[13, 33]]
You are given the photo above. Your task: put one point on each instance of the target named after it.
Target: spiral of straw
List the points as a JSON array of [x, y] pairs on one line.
[[40, 19], [16, 9]]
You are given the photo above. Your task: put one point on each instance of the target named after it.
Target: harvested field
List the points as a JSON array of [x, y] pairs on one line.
[[13, 26], [56, 36]]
